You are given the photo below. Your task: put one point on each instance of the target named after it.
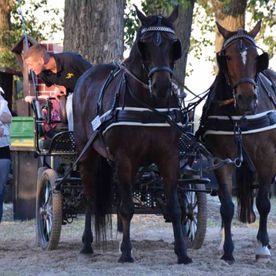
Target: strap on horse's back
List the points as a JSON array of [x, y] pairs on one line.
[[269, 85], [108, 80]]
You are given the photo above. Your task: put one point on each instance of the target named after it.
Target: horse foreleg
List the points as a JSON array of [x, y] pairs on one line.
[[224, 177], [126, 209], [170, 173], [88, 174], [263, 206]]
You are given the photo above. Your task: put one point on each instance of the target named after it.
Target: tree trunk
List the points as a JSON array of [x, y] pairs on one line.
[[230, 15], [183, 28], [94, 29], [5, 25]]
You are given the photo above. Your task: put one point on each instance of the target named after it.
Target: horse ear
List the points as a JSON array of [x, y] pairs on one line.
[[177, 50], [173, 15], [262, 62], [140, 15], [223, 31], [256, 29]]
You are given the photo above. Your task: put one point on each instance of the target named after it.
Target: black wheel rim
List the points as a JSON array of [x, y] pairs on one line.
[[191, 211]]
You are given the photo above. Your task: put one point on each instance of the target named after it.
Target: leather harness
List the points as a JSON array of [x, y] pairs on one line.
[[249, 124]]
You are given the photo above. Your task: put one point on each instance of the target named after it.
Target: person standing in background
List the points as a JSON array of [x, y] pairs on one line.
[[5, 156]]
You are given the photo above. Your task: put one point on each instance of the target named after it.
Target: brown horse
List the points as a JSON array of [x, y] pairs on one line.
[[239, 119], [126, 106]]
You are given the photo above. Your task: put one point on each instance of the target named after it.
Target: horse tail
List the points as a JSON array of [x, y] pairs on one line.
[[244, 181], [103, 199]]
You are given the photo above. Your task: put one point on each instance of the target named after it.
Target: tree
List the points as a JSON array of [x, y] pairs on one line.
[[230, 15], [183, 29], [94, 29], [234, 14], [5, 30]]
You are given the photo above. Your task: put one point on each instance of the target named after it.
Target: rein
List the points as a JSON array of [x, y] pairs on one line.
[[191, 141], [122, 66]]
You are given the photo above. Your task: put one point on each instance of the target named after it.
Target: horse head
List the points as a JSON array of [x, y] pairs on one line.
[[240, 63], [158, 48]]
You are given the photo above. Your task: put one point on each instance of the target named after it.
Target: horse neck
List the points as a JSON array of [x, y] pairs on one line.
[[220, 93], [135, 66], [266, 93]]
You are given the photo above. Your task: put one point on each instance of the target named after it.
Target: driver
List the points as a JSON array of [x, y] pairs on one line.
[[61, 69]]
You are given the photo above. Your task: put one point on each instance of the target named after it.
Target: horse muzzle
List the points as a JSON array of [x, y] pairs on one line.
[[161, 81], [161, 85], [246, 101]]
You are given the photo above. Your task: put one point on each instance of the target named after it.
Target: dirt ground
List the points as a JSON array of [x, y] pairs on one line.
[[152, 250]]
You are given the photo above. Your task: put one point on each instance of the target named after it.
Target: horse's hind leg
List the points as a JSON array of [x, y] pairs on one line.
[[263, 206], [126, 209], [88, 170], [169, 172], [224, 177]]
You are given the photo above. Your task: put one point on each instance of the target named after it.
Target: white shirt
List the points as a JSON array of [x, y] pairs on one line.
[[5, 139]]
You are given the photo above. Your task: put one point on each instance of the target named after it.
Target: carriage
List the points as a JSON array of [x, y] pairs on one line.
[[60, 191]]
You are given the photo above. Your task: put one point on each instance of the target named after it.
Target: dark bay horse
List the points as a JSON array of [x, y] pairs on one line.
[[239, 121], [125, 108]]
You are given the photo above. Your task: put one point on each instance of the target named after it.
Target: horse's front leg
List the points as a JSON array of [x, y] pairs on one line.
[[169, 170], [224, 177], [126, 208], [263, 206], [88, 172]]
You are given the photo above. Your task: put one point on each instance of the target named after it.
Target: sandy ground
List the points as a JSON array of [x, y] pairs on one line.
[[152, 250]]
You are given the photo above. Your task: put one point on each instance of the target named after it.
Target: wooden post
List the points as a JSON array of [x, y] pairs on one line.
[[23, 108]]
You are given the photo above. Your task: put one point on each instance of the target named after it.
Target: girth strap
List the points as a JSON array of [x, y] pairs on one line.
[[147, 116], [250, 124]]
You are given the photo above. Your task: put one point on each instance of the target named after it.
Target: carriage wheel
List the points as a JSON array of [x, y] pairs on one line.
[[48, 211], [194, 215], [39, 174]]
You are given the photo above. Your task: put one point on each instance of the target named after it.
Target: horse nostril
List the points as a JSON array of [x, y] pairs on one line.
[[255, 96], [239, 97], [154, 85]]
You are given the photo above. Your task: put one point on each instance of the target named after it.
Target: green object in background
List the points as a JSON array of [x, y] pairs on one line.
[[22, 131]]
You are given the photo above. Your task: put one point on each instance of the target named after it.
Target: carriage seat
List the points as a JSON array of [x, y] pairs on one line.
[[51, 119]]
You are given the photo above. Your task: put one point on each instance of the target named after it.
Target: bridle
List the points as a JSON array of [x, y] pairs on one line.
[[157, 30], [239, 36]]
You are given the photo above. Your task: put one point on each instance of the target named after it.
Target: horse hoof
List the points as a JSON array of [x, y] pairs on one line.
[[184, 260], [228, 259], [125, 259], [86, 250], [263, 258], [262, 253]]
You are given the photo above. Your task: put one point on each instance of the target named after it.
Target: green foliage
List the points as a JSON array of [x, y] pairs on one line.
[[33, 26], [131, 24], [206, 26], [256, 10], [204, 19], [265, 10]]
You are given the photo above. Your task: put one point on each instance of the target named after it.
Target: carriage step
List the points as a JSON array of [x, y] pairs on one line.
[[194, 180]]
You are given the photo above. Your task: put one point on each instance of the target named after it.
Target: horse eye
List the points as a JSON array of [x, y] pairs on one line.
[[228, 58]]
